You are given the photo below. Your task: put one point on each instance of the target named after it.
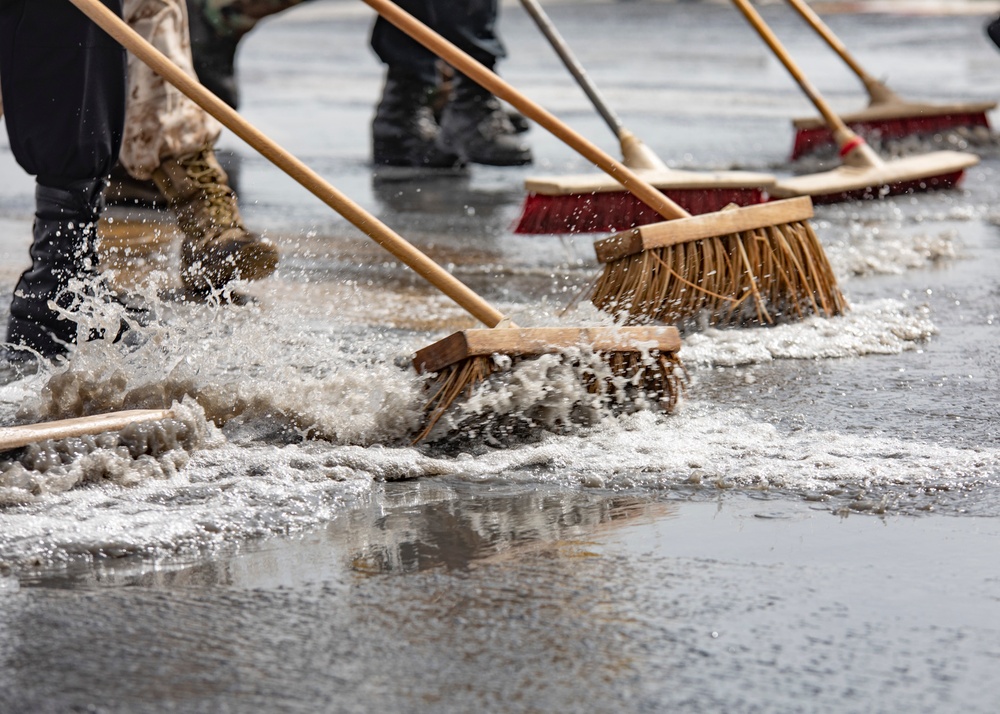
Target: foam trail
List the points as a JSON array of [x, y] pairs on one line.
[[879, 327]]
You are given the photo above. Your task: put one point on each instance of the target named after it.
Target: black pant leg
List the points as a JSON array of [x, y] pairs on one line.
[[63, 84], [470, 24]]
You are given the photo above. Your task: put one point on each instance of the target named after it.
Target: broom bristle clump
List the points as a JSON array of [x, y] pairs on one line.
[[750, 277], [625, 378]]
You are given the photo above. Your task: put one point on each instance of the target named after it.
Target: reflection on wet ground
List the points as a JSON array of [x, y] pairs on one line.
[[450, 597], [403, 527]]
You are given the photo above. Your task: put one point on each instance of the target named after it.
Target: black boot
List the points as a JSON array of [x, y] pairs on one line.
[[993, 31], [404, 132], [214, 55], [475, 126], [64, 247]]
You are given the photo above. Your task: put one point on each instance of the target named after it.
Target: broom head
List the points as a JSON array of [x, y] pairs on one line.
[[891, 120], [733, 267], [924, 172], [642, 357], [596, 203]]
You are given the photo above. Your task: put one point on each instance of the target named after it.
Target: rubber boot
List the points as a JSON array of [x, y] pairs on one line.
[[216, 248], [214, 55], [475, 126], [64, 247], [993, 31], [404, 132]]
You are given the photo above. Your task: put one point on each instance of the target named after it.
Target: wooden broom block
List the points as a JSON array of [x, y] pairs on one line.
[[542, 340], [709, 225], [14, 437], [669, 179], [896, 110], [855, 178]]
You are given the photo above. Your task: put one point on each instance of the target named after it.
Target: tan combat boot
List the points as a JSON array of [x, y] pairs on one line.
[[217, 248]]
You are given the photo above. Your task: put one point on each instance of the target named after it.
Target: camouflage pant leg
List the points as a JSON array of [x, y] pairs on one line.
[[159, 120], [238, 17]]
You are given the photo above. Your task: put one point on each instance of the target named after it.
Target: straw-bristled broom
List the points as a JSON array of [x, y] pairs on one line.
[[863, 174], [596, 203], [639, 359], [742, 266], [768, 254], [887, 116]]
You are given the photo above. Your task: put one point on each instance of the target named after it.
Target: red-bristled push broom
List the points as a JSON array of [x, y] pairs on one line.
[[597, 203], [863, 174], [887, 116]]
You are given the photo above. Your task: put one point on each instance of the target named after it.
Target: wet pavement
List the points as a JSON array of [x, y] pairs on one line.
[[811, 532]]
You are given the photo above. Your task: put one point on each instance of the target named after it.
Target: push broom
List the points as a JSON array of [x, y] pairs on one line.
[[739, 264], [596, 202], [642, 359], [863, 174], [887, 116]]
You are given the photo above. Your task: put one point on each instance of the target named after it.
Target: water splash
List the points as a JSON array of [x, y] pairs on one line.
[[239, 363]]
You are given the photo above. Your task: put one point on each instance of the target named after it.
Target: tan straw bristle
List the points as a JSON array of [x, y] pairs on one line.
[[752, 276], [449, 384], [655, 375]]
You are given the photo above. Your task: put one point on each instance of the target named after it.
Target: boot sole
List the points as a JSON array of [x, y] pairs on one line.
[[520, 161]]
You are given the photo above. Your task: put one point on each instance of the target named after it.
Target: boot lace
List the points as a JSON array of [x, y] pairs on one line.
[[216, 196]]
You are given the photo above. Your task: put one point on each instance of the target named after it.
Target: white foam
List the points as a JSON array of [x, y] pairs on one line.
[[879, 327], [226, 493]]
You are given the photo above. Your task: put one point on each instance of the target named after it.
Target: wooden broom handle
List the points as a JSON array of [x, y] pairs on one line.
[[364, 221], [535, 11], [14, 437], [635, 154], [835, 123], [823, 30], [489, 80]]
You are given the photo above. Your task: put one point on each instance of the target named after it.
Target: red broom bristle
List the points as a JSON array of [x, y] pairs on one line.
[[933, 183], [612, 211], [808, 141]]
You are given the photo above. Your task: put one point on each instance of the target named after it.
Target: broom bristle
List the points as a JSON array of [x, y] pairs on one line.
[[609, 211], [815, 139], [657, 374], [897, 188], [749, 277]]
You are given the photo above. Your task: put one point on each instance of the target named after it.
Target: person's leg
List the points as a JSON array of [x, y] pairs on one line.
[[473, 124], [404, 129], [170, 139], [63, 81], [217, 26]]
